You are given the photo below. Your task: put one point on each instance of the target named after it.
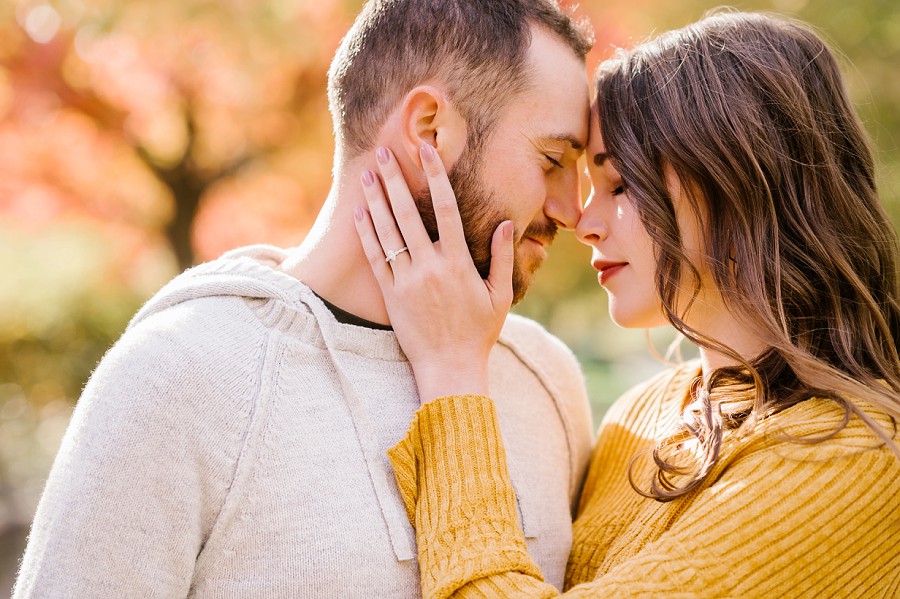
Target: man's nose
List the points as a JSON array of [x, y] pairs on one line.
[[563, 203]]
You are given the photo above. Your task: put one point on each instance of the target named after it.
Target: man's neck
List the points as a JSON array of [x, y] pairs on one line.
[[331, 260]]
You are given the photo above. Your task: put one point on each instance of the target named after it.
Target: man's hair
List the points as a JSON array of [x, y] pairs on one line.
[[750, 111], [476, 47]]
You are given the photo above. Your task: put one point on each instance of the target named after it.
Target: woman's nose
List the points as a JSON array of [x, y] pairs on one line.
[[592, 227]]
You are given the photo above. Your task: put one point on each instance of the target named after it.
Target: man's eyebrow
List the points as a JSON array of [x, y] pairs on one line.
[[600, 158], [573, 141]]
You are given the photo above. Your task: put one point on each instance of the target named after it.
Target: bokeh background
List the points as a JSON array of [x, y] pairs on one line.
[[138, 137]]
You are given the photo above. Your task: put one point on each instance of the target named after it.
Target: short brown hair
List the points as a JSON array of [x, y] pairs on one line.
[[476, 47]]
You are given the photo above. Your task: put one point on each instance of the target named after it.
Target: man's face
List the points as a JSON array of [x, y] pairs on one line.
[[526, 171]]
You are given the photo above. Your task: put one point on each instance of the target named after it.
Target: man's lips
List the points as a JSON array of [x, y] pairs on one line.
[[607, 269], [541, 233]]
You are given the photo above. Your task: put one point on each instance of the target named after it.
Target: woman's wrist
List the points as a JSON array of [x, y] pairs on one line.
[[441, 380]]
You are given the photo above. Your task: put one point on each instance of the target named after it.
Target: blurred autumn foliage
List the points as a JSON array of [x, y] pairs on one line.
[[138, 137]]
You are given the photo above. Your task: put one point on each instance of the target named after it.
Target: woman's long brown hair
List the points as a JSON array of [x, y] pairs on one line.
[[750, 111]]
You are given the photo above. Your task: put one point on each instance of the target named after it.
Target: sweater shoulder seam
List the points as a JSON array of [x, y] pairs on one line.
[[245, 468]]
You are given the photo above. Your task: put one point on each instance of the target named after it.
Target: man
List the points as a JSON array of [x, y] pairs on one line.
[[232, 443]]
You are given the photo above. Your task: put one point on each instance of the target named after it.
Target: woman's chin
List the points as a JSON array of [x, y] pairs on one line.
[[632, 319]]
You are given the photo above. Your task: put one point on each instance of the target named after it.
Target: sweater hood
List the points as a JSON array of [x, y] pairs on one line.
[[254, 273], [249, 272]]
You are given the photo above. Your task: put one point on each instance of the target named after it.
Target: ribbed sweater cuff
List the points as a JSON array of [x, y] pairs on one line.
[[452, 474]]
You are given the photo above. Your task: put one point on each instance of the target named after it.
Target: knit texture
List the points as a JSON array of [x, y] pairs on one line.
[[776, 518], [233, 444]]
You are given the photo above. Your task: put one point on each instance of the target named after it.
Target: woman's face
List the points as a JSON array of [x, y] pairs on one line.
[[624, 255], [622, 250]]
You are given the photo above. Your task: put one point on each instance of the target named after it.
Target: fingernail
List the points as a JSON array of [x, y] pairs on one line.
[[368, 178], [358, 214], [382, 155], [427, 153], [507, 230]]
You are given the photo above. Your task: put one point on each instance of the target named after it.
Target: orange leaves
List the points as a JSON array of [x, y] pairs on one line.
[[123, 112]]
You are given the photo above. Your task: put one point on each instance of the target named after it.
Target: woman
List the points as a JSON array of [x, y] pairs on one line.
[[733, 197]]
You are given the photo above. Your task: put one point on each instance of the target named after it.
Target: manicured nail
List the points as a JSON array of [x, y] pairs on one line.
[[427, 153], [368, 178], [358, 214], [382, 155]]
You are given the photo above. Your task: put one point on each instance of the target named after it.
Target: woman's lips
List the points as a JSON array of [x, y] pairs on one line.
[[606, 273], [608, 269]]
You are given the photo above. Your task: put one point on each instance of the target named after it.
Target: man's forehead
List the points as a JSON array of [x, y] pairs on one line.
[[556, 102], [557, 112]]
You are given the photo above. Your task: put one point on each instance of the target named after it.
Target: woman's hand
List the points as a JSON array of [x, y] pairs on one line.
[[446, 317]]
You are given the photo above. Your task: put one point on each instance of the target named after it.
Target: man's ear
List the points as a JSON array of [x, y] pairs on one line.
[[427, 116]]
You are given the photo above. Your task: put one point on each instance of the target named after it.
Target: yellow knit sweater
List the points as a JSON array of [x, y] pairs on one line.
[[775, 518]]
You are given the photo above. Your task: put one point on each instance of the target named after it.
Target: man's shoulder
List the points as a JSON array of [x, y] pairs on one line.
[[558, 373], [193, 353], [176, 381], [206, 327], [246, 273], [530, 337], [528, 343]]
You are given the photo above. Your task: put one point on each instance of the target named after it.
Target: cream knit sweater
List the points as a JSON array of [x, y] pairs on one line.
[[232, 445], [774, 519]]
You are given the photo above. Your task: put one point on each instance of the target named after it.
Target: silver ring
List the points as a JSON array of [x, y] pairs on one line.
[[394, 253]]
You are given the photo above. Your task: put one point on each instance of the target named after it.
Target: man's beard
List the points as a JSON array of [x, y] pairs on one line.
[[480, 215]]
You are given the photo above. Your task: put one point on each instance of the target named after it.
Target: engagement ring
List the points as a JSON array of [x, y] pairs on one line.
[[394, 253]]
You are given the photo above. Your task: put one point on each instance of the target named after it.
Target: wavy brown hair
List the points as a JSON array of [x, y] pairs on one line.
[[751, 112]]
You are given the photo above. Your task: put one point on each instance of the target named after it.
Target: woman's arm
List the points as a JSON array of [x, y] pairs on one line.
[[781, 519], [452, 474], [462, 503]]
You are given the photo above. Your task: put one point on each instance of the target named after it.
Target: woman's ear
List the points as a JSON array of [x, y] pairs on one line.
[[427, 116]]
